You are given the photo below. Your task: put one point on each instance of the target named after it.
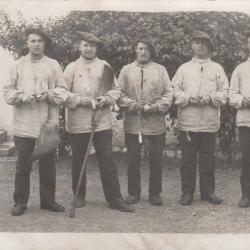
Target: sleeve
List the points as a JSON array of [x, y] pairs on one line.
[[114, 94], [114, 90], [124, 101], [235, 97], [11, 95], [165, 102], [220, 97], [73, 99], [180, 97], [59, 94]]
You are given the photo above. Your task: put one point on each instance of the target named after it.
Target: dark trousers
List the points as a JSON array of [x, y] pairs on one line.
[[103, 147], [47, 173], [244, 136], [192, 144], [156, 146]]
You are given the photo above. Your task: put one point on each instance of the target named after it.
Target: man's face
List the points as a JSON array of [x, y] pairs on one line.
[[36, 44], [88, 50], [143, 54], [200, 48]]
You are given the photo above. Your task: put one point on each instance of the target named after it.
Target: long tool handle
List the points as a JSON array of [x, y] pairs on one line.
[[73, 207], [96, 118]]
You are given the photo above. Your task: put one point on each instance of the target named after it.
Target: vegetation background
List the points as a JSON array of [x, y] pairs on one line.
[[172, 35]]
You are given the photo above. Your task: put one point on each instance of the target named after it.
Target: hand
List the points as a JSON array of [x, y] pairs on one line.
[[150, 108], [74, 101], [86, 101], [194, 100], [100, 101], [135, 108], [205, 100], [26, 98], [180, 100], [41, 97]]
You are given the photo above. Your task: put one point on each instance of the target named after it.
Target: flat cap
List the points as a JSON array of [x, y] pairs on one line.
[[40, 32], [198, 34], [88, 37]]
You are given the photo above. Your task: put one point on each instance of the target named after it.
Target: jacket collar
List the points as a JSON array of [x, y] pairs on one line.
[[198, 60], [87, 61], [35, 59], [143, 65]]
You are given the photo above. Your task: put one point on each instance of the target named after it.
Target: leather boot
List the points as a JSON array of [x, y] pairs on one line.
[[212, 198], [120, 205], [186, 199], [18, 209]]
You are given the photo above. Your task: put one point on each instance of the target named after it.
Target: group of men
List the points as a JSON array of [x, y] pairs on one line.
[[37, 87]]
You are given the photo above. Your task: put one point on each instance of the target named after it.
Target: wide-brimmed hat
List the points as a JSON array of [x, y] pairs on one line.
[[40, 32], [198, 34], [149, 41], [89, 37]]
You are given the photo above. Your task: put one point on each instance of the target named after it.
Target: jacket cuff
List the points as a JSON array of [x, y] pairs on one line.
[[182, 101], [109, 100], [58, 96], [215, 100]]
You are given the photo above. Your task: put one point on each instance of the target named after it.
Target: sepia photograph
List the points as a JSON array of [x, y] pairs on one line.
[[125, 125]]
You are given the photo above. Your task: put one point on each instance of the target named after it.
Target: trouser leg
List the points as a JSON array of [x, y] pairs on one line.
[[207, 163], [79, 144], [103, 147], [25, 148], [134, 159], [156, 146], [244, 136], [189, 149], [47, 178]]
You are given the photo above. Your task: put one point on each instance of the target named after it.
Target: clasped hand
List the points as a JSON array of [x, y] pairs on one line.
[[199, 100]]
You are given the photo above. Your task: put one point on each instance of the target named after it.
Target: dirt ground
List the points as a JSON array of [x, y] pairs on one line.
[[201, 217]]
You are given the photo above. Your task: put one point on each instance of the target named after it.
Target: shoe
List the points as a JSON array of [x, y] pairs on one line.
[[80, 202], [155, 199], [186, 199], [212, 198], [132, 199], [120, 205], [18, 209], [244, 202], [54, 207]]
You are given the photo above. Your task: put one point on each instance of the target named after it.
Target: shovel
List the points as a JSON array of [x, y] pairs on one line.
[[106, 83], [96, 118]]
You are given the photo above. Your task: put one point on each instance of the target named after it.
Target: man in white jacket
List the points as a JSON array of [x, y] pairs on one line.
[[239, 98], [201, 87], [35, 88], [85, 80], [146, 97]]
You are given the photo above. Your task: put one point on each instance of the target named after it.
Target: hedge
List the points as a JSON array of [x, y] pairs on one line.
[[170, 31]]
